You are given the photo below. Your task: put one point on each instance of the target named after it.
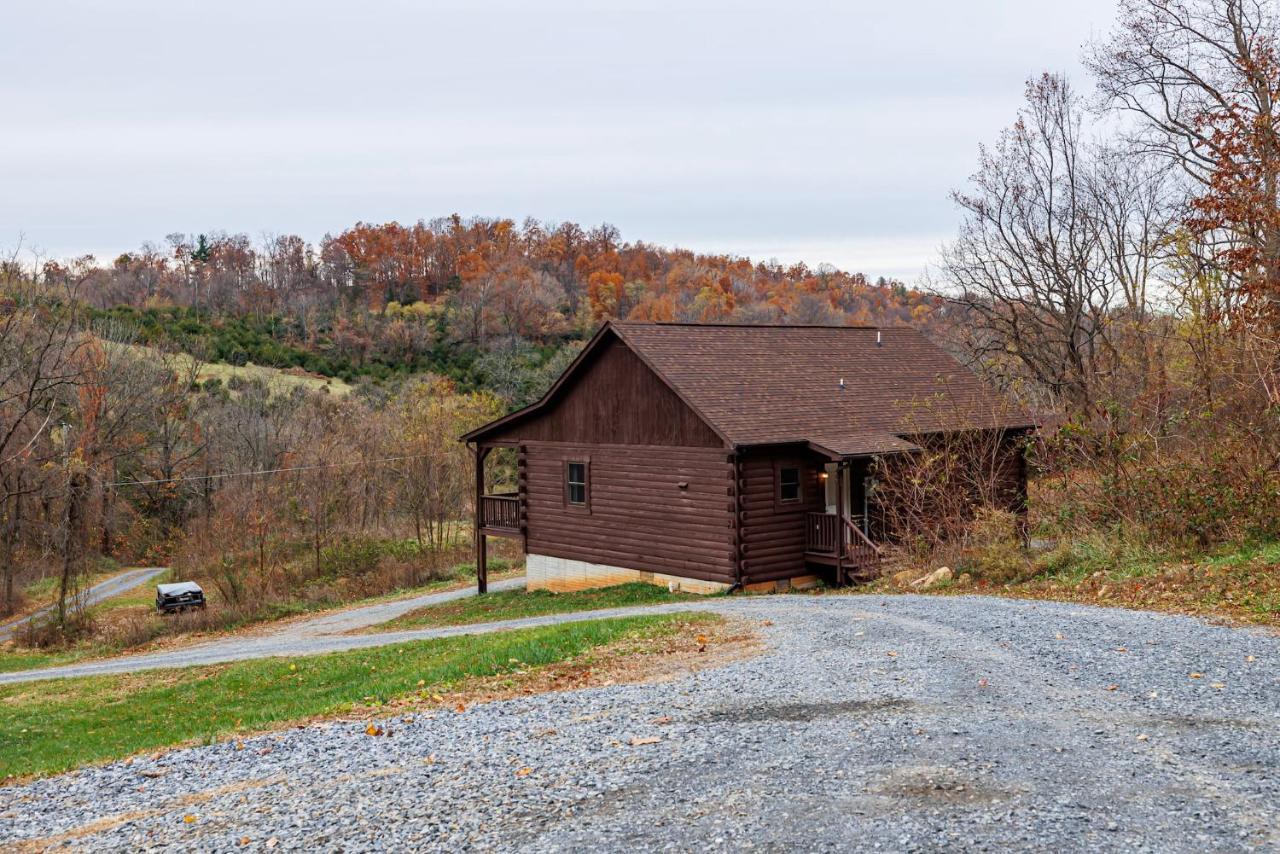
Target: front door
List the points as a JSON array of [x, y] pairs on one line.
[[857, 496]]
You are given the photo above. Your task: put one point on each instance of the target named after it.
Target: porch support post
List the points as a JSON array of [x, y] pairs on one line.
[[482, 552], [841, 489]]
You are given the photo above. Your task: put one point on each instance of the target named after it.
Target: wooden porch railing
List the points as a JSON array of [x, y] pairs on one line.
[[822, 533], [501, 510], [855, 552]]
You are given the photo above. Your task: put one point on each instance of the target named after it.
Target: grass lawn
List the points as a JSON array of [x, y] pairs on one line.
[[54, 726], [514, 604]]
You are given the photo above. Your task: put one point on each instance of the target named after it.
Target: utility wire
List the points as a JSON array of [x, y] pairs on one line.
[[221, 475]]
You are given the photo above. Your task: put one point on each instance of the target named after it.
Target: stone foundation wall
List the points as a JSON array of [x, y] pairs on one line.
[[558, 574]]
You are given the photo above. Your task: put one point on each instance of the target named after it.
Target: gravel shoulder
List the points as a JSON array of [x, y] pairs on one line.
[[900, 722]]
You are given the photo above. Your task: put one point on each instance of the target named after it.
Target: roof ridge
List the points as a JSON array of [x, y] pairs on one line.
[[739, 325]]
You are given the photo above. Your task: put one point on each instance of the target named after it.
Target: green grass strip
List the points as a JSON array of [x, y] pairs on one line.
[[52, 726]]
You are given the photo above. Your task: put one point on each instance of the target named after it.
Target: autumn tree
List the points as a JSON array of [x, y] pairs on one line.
[[1201, 78]]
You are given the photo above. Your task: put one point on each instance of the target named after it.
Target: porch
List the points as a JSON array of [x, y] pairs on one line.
[[835, 541], [497, 513], [838, 538]]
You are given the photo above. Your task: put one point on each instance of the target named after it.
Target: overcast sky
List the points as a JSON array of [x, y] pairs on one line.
[[823, 132]]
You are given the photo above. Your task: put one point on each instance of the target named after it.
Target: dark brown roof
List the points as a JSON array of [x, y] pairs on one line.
[[781, 384]]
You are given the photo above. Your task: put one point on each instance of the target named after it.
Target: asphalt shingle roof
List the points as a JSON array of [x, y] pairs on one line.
[[767, 384]]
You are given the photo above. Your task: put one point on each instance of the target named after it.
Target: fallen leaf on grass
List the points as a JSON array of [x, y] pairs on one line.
[[636, 741]]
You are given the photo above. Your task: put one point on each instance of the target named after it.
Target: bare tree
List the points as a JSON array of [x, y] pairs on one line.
[[1058, 234]]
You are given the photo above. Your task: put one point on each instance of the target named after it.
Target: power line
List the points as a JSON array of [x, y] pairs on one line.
[[222, 475]]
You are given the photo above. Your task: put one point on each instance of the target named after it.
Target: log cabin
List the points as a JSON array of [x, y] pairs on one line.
[[711, 457]]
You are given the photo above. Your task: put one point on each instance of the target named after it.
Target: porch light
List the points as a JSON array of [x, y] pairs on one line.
[[822, 475]]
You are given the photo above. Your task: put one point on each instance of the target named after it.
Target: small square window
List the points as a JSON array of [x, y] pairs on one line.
[[576, 483], [788, 484]]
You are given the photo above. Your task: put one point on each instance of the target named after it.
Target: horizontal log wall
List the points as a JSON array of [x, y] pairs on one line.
[[638, 516], [773, 534]]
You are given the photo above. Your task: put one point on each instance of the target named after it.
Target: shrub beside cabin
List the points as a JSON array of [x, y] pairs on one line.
[[716, 456]]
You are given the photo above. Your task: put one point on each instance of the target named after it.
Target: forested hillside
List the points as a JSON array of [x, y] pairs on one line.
[[482, 301]]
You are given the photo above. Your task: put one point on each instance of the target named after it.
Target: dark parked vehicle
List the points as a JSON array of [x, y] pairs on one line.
[[178, 597]]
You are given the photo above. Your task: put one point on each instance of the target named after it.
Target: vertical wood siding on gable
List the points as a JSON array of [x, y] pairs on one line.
[[639, 518], [617, 400], [773, 533]]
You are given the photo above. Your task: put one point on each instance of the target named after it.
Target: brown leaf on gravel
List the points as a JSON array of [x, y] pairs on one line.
[[1195, 675], [524, 772], [373, 729], [460, 708], [665, 719], [636, 741], [1112, 687]]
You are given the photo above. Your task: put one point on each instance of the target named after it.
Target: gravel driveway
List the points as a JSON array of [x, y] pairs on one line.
[[301, 637], [113, 586], [892, 723]]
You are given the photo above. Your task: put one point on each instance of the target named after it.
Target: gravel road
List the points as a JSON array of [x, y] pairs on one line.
[[880, 723], [113, 586], [301, 637]]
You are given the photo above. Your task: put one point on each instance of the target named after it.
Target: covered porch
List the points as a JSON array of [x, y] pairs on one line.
[[499, 512], [839, 537]]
